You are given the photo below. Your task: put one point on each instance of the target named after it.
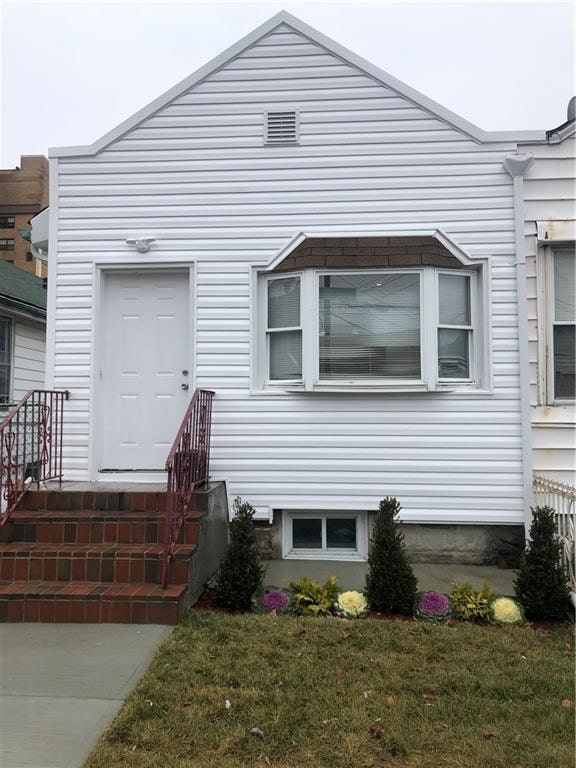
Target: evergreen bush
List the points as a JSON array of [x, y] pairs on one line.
[[541, 585], [240, 573], [391, 586]]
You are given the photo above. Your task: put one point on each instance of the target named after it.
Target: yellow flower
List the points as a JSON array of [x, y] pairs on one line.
[[352, 603], [506, 610]]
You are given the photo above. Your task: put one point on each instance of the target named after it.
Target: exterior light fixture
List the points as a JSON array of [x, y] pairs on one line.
[[142, 243]]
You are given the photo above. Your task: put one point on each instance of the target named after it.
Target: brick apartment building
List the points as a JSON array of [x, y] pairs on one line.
[[23, 193]]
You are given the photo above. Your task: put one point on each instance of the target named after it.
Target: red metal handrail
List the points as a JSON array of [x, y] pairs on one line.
[[30, 446], [188, 467]]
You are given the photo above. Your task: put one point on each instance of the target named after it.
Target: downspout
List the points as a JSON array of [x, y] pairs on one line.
[[517, 165]]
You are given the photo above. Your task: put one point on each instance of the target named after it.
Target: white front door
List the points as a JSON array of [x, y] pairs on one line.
[[145, 375]]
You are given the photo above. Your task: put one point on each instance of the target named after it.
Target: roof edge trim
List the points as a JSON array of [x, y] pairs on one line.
[[283, 17], [451, 245]]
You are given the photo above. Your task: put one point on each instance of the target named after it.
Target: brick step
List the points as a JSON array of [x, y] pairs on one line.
[[95, 501], [90, 603], [113, 527], [133, 563]]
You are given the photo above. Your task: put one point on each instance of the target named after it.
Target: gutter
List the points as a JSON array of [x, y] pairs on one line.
[[22, 307], [517, 165]]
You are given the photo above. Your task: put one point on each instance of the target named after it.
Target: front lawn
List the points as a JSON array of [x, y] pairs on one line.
[[328, 693]]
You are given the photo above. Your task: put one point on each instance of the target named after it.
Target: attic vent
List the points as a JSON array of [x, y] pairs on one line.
[[281, 128]]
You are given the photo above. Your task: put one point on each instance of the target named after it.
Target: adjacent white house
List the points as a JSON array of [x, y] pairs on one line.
[[22, 334], [550, 230], [332, 253]]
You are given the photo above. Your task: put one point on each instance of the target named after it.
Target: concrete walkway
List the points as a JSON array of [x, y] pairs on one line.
[[351, 575], [62, 684]]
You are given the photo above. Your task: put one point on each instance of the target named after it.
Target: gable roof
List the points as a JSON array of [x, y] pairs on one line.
[[292, 23], [21, 289]]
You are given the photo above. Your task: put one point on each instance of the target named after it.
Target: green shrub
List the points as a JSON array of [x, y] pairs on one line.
[[240, 573], [310, 598], [541, 585], [391, 586], [469, 603]]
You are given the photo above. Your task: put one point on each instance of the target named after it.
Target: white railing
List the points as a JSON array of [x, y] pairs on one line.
[[562, 499]]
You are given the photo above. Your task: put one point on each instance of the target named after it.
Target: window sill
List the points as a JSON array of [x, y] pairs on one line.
[[356, 389], [322, 555]]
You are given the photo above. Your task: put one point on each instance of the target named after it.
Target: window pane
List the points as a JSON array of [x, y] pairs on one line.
[[284, 303], [454, 299], [285, 355], [564, 362], [307, 534], [369, 326], [564, 286], [4, 340], [453, 360], [4, 384], [341, 532]]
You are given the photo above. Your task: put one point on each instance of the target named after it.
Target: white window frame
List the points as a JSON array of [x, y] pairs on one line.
[[472, 328], [550, 393], [429, 323], [280, 382], [359, 554], [10, 364]]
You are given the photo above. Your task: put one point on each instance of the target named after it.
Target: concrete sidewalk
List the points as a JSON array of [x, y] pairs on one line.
[[62, 684]]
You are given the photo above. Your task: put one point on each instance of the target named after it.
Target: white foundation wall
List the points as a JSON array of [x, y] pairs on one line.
[[550, 195], [198, 177]]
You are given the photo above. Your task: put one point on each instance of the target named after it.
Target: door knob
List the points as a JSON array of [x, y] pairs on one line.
[[184, 386]]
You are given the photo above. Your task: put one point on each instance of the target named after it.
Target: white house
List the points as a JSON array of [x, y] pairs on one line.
[[550, 230], [332, 253], [22, 334]]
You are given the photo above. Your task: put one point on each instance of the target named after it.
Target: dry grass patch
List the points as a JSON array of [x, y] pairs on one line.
[[328, 693]]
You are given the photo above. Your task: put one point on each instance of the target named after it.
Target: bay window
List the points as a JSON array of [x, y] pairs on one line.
[[395, 329]]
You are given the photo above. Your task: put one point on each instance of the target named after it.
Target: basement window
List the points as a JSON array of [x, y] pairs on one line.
[[325, 535], [281, 128]]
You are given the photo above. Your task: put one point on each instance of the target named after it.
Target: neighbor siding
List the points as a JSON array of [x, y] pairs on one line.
[[197, 176], [29, 358], [549, 194]]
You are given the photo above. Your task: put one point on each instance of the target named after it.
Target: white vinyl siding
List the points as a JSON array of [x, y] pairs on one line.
[[29, 358], [550, 195], [197, 176]]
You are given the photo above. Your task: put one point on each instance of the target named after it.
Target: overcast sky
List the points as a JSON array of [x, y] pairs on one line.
[[73, 71]]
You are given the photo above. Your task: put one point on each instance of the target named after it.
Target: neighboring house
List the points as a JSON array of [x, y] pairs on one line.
[[335, 256], [23, 193], [550, 216], [22, 333]]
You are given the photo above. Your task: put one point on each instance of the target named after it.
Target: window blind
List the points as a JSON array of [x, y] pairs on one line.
[[564, 287], [454, 297], [285, 355], [369, 326], [284, 303]]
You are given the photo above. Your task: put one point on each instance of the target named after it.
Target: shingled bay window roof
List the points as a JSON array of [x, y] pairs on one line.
[[334, 252]]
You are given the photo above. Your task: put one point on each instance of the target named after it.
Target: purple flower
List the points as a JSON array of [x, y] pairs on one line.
[[275, 600], [433, 605]]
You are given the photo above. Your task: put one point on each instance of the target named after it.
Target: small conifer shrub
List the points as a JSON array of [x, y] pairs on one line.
[[240, 573], [391, 586], [541, 585]]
